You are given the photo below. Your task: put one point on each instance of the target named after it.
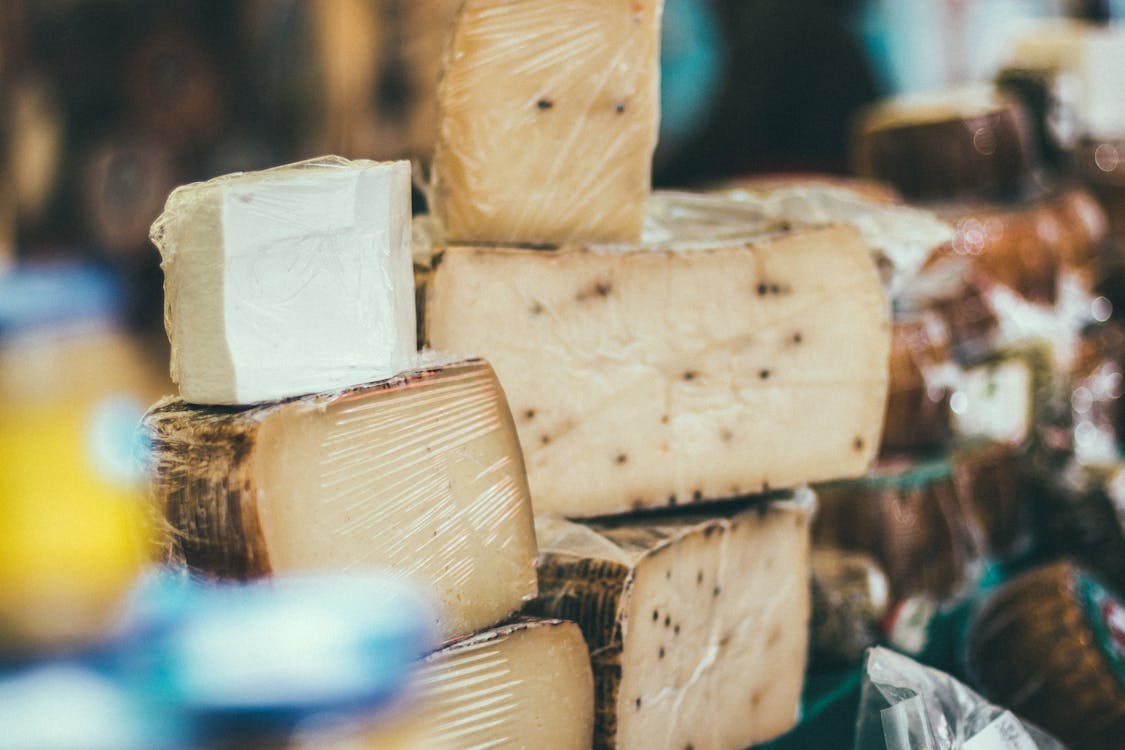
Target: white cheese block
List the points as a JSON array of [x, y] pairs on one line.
[[654, 375], [288, 281], [526, 684], [420, 474], [697, 625], [548, 117]]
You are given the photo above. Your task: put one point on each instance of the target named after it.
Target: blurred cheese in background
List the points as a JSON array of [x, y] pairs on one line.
[[73, 386]]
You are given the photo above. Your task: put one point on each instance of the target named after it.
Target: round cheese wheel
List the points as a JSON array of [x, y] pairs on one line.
[[943, 145], [1050, 645]]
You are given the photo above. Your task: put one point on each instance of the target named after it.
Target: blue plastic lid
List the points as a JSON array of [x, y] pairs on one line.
[[38, 296]]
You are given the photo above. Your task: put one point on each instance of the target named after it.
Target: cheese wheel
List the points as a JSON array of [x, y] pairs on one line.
[[1028, 245], [1050, 645], [943, 145], [909, 516], [697, 624], [421, 474]]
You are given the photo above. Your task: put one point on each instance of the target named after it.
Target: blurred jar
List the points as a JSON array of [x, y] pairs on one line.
[[73, 386]]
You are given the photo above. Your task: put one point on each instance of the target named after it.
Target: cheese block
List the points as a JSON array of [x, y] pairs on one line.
[[909, 516], [548, 120], [288, 281], [524, 684], [697, 625], [901, 237], [643, 376], [420, 474], [1028, 245], [1050, 644], [969, 141]]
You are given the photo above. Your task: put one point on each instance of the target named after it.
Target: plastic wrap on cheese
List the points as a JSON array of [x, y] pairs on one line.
[[548, 118], [667, 373], [524, 684], [421, 473], [288, 281], [902, 237], [697, 624]]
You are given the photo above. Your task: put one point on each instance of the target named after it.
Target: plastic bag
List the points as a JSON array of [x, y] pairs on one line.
[[907, 706]]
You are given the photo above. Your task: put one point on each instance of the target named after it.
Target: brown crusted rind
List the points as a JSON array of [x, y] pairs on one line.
[[200, 472], [596, 593], [593, 594]]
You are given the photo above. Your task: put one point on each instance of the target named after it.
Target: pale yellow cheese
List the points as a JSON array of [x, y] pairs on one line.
[[420, 474], [526, 684], [651, 375], [697, 625], [548, 121]]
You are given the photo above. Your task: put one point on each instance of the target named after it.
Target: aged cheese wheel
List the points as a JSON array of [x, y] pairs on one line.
[[909, 516], [697, 625], [679, 370], [943, 145], [1050, 645], [421, 474], [548, 121]]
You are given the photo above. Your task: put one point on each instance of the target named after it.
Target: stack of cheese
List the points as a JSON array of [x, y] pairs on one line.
[[311, 436], [658, 351]]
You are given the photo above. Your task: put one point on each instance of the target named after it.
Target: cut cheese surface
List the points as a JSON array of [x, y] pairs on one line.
[[420, 474], [289, 281], [646, 376], [548, 121], [697, 625], [526, 684]]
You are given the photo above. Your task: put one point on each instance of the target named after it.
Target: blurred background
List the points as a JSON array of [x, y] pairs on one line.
[[107, 105]]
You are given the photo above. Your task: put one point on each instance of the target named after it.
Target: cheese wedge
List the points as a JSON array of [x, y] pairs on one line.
[[420, 474], [289, 281], [548, 116], [654, 375], [525, 684], [697, 625]]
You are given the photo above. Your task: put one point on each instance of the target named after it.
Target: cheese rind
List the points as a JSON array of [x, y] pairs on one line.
[[647, 376], [697, 625], [288, 281], [548, 121], [420, 474]]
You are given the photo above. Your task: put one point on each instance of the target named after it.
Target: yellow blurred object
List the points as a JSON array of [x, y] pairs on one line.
[[74, 526]]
